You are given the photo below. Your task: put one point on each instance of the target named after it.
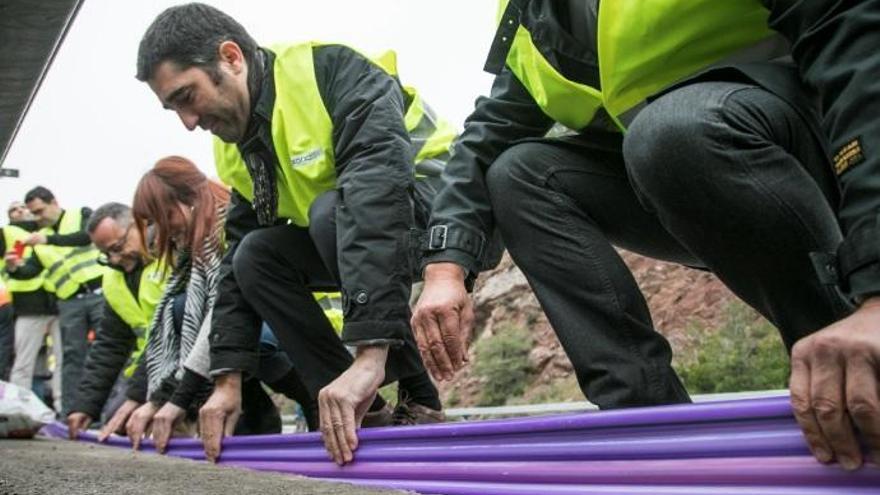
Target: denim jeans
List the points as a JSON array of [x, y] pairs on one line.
[[716, 175], [274, 362]]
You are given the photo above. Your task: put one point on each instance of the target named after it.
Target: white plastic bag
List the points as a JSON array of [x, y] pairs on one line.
[[22, 414]]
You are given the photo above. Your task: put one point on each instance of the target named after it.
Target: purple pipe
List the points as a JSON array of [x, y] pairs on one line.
[[746, 444], [618, 434], [718, 440], [737, 447], [661, 417], [468, 488], [754, 471], [682, 414], [685, 414]]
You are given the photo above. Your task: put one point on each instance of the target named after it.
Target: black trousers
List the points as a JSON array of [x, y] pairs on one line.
[[724, 176], [278, 268], [7, 340]]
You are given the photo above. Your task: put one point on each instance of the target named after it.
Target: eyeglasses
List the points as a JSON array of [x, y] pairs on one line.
[[118, 247]]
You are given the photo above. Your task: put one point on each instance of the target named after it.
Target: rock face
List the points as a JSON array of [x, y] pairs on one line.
[[676, 295]]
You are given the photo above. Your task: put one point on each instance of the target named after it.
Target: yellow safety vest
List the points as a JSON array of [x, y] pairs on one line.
[[302, 132], [69, 267], [644, 47], [136, 312], [11, 233]]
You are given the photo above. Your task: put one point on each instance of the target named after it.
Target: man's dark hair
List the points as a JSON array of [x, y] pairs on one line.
[[39, 192], [188, 35], [119, 212]]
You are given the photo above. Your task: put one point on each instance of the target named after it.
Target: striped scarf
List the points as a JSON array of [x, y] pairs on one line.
[[166, 348]]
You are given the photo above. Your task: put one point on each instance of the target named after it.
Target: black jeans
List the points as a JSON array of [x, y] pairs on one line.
[[278, 268], [77, 315], [7, 340], [724, 176]]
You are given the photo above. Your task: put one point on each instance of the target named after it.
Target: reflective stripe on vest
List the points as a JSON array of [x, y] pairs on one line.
[[430, 135], [11, 233], [137, 313], [644, 47], [69, 267], [302, 133], [331, 303]]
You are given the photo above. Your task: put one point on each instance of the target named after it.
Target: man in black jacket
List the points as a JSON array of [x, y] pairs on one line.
[[835, 380], [111, 228], [345, 227], [726, 170]]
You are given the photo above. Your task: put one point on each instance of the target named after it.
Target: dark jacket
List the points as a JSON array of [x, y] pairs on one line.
[[114, 342], [832, 43], [510, 114], [375, 180]]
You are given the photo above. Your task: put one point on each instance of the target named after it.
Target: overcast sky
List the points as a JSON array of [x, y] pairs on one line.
[[93, 129]]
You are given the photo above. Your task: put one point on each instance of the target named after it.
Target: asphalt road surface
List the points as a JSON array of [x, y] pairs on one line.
[[57, 467]]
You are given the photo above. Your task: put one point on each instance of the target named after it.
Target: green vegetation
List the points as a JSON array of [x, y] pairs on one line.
[[502, 364], [745, 353], [452, 399], [564, 389]]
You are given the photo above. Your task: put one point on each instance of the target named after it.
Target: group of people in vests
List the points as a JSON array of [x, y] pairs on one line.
[[52, 273], [734, 137]]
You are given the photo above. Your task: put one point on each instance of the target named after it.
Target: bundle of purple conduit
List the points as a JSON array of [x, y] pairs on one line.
[[749, 446]]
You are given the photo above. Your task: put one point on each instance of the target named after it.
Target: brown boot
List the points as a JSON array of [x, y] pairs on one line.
[[382, 417], [408, 413]]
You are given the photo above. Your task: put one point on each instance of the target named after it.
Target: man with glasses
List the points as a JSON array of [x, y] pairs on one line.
[[72, 273], [131, 290]]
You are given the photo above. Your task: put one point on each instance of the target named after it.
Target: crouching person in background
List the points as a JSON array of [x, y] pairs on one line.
[[131, 289], [188, 213]]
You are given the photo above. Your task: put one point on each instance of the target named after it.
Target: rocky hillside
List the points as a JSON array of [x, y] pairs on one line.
[[677, 296]]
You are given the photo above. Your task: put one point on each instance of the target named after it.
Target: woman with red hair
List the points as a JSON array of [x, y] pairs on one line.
[[186, 213], [185, 208]]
